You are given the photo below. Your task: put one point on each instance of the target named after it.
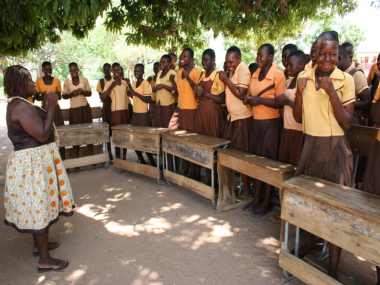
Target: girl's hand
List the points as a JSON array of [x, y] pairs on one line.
[[43, 94], [301, 84], [281, 99], [154, 89], [254, 101], [223, 76], [149, 79], [52, 99], [185, 73], [159, 86], [199, 91], [128, 81], [326, 84], [245, 99], [79, 91], [172, 77]]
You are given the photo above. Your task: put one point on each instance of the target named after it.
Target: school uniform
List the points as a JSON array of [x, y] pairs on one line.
[[209, 119], [152, 105], [140, 115], [238, 123], [266, 123], [119, 103], [106, 109], [165, 102], [291, 135], [356, 65], [374, 69], [80, 110], [187, 104], [371, 182], [54, 87], [325, 153]]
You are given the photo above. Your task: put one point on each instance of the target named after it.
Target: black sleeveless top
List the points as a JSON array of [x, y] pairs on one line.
[[18, 136]]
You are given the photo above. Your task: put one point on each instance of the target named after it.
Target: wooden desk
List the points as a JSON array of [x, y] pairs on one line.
[[195, 148], [83, 134], [145, 139], [267, 170], [342, 215]]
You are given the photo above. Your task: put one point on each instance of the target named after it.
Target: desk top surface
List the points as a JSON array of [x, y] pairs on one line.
[[194, 138], [93, 125], [352, 200], [139, 129]]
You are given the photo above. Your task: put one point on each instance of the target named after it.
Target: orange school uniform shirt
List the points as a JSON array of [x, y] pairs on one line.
[[139, 106], [55, 86], [237, 110], [372, 72], [359, 80], [118, 95], [68, 87], [164, 96], [274, 77], [317, 112], [218, 86], [186, 95]]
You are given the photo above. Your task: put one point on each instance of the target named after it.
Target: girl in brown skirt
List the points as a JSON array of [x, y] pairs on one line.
[[210, 93], [152, 81], [266, 82], [371, 182], [142, 96], [324, 103], [47, 84], [76, 89], [292, 134]]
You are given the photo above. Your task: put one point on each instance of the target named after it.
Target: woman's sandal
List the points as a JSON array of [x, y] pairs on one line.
[[51, 246], [43, 270]]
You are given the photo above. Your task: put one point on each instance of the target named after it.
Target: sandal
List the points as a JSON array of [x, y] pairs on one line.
[[242, 198], [276, 219], [51, 246], [259, 214], [59, 269], [249, 208]]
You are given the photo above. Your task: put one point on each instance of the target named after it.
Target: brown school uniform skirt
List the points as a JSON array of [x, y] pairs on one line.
[[174, 121], [238, 133], [106, 110], [120, 117], [81, 115], [163, 115], [152, 111], [58, 118], [209, 119], [371, 182], [264, 138], [290, 146], [187, 119], [141, 119], [130, 109], [329, 158]]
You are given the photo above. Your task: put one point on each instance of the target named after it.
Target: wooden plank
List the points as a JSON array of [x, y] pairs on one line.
[[83, 151], [267, 170], [303, 270], [88, 160], [233, 206], [148, 142], [226, 196], [96, 112], [201, 156], [361, 139], [190, 184], [194, 139], [83, 134], [139, 129], [138, 168], [325, 268], [346, 217]]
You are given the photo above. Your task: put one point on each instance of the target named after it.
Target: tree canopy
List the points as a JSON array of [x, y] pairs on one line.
[[27, 25]]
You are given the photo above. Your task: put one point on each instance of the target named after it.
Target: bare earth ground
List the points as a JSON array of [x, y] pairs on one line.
[[127, 229]]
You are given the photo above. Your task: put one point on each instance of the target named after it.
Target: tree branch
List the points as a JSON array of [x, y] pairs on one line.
[[281, 6]]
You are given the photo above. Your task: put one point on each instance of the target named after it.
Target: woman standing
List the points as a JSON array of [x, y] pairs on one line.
[[45, 85], [76, 89], [37, 189]]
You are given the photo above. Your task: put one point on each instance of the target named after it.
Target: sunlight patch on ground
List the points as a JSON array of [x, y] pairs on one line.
[[77, 274], [120, 197], [215, 236], [171, 207], [95, 212], [41, 279]]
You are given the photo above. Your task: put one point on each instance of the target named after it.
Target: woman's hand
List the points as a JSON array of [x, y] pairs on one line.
[[52, 99], [301, 84]]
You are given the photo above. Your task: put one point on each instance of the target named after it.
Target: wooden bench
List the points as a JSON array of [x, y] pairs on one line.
[[195, 148], [145, 139], [267, 170], [95, 111], [342, 215], [84, 134]]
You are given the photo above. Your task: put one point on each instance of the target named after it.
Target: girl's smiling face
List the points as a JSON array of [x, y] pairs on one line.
[[47, 70], [164, 63], [326, 55], [263, 57], [185, 58], [207, 62], [74, 71]]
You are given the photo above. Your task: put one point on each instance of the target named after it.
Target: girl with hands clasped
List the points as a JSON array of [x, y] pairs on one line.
[[265, 128], [76, 89], [37, 189], [324, 103]]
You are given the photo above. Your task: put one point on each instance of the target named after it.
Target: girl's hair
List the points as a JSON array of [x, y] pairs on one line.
[[269, 48], [73, 64], [46, 63], [140, 65], [330, 36], [209, 52], [166, 56], [234, 49], [106, 64], [116, 64], [253, 67], [190, 51], [299, 54], [16, 79]]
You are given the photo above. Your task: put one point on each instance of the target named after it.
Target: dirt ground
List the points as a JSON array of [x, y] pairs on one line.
[[127, 229]]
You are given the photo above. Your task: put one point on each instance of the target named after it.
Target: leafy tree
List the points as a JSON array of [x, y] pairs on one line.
[[26, 25]]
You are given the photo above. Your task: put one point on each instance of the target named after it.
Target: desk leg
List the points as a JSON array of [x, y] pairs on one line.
[[290, 277], [226, 186], [163, 167]]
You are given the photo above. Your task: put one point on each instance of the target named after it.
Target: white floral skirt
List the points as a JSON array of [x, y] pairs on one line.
[[37, 189]]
